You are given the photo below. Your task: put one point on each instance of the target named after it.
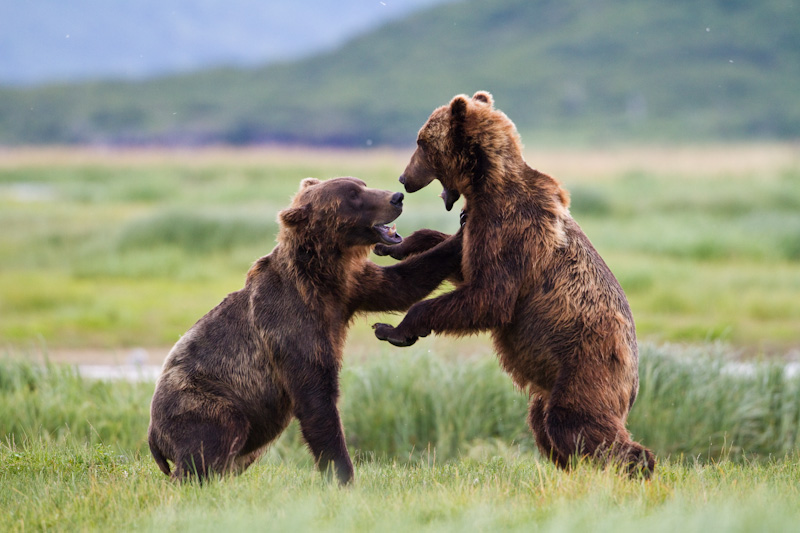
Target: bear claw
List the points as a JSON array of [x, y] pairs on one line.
[[384, 332]]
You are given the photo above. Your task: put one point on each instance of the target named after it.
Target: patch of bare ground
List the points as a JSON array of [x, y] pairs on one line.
[[150, 356]]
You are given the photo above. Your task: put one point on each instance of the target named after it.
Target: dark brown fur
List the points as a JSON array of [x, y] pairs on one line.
[[559, 319], [273, 349]]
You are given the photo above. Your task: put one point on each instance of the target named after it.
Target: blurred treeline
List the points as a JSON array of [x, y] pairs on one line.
[[565, 71]]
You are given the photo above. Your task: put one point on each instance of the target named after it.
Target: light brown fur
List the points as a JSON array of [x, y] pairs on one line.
[[559, 319]]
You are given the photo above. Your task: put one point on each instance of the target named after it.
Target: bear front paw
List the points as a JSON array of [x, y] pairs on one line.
[[385, 249], [386, 332], [381, 250]]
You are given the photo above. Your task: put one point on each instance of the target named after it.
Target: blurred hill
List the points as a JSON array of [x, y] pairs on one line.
[[563, 70], [46, 40]]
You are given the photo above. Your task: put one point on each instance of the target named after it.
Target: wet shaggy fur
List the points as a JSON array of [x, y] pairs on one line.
[[559, 319], [272, 350]]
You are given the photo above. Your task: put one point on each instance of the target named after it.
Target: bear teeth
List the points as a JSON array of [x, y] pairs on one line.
[[392, 231]]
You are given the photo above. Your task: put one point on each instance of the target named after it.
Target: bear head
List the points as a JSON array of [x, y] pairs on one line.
[[341, 211], [460, 145]]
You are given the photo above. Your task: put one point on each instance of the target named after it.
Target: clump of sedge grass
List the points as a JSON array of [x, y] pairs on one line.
[[408, 405]]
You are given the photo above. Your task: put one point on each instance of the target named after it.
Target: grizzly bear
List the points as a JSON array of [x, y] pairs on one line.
[[559, 320], [273, 349]]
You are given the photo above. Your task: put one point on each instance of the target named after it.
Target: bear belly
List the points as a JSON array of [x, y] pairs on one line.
[[267, 425], [530, 362]]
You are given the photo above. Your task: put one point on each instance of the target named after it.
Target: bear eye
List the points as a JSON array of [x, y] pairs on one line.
[[353, 194], [421, 143]]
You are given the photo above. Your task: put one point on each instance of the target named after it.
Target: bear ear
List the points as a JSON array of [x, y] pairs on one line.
[[294, 216], [484, 96], [308, 182], [458, 107]]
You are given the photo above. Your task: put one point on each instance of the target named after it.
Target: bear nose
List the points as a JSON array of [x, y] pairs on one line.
[[402, 179], [397, 199]]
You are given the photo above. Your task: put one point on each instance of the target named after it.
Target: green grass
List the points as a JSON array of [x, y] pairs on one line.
[[404, 405], [438, 446], [124, 250], [129, 250], [83, 487], [653, 70]]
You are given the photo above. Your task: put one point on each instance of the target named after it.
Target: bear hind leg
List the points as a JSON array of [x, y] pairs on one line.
[[210, 447], [603, 438], [242, 462], [536, 420]]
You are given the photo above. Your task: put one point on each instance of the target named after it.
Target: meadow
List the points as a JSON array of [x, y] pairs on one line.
[[105, 251], [438, 446], [121, 249]]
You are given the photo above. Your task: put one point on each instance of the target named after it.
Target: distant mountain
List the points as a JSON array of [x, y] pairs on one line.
[[47, 40], [565, 69]]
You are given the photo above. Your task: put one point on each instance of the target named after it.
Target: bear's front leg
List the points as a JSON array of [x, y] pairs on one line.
[[387, 332], [404, 334], [418, 242], [315, 389]]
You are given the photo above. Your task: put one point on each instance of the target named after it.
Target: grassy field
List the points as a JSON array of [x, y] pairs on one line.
[[438, 445], [120, 249], [58, 488], [692, 403], [102, 252]]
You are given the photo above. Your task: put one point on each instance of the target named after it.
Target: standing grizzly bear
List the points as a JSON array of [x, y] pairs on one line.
[[559, 319], [273, 349]]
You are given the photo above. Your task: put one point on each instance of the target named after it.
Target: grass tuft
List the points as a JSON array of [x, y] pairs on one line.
[[413, 406], [194, 233], [440, 445]]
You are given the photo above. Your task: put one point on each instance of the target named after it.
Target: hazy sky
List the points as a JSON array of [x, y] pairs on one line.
[[45, 40]]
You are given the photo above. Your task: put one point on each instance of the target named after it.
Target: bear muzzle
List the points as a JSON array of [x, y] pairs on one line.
[[397, 200], [388, 234], [413, 185]]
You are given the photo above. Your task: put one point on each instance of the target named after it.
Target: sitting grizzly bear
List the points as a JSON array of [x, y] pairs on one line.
[[559, 319], [273, 349]]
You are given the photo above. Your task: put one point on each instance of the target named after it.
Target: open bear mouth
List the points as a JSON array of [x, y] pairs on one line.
[[450, 197], [388, 234]]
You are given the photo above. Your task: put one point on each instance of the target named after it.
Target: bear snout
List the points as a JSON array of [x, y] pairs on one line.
[[409, 185], [397, 199]]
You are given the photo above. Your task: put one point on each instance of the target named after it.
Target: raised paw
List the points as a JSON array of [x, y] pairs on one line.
[[387, 332], [390, 250], [381, 250]]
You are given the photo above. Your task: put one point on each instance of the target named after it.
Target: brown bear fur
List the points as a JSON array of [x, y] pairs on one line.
[[273, 349], [559, 319]]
